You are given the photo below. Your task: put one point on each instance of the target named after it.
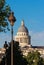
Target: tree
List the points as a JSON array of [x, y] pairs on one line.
[[4, 11], [17, 54], [33, 58], [2, 61]]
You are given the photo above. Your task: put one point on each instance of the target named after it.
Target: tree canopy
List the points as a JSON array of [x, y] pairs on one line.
[[4, 11], [33, 58]]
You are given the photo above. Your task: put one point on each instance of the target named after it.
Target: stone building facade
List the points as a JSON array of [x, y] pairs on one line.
[[23, 36]]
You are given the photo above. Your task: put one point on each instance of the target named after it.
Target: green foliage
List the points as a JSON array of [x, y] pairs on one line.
[[33, 58], [4, 11], [17, 56]]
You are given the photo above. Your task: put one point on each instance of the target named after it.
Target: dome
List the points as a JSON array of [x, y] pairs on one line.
[[23, 28]]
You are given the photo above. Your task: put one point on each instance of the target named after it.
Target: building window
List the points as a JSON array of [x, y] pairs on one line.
[[21, 40]]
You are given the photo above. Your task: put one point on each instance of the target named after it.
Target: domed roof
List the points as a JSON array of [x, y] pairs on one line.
[[23, 28]]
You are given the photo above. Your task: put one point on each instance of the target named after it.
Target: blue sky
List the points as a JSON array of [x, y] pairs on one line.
[[32, 12]]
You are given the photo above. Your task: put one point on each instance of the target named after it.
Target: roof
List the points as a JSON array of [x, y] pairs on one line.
[[23, 28], [38, 47], [42, 47]]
